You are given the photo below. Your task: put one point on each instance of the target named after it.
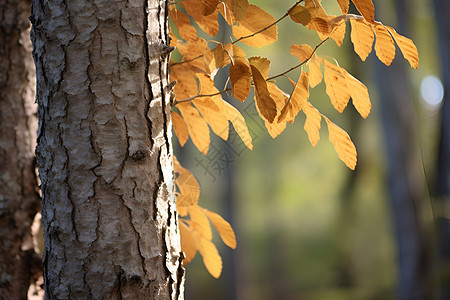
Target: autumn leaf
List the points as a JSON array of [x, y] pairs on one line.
[[336, 85], [239, 8], [264, 102], [359, 94], [188, 244], [338, 31], [407, 48], [366, 8], [344, 5], [312, 123], [303, 51], [211, 257], [362, 37], [223, 228], [342, 144], [299, 96], [279, 125], [300, 14], [197, 127], [186, 86], [187, 184], [200, 222], [204, 14], [315, 73], [240, 72], [180, 128], [255, 20], [384, 45], [186, 30], [239, 124]]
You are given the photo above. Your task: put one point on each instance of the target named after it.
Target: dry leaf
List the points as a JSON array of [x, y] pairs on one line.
[[197, 127], [277, 127], [365, 7], [362, 37], [303, 51], [359, 94], [211, 257], [312, 123], [240, 73], [187, 184], [188, 244], [342, 144], [300, 14], [384, 45], [239, 8], [200, 222], [315, 73], [336, 87], [407, 48], [255, 20], [264, 102], [223, 228], [344, 5], [239, 124], [180, 128], [186, 30]]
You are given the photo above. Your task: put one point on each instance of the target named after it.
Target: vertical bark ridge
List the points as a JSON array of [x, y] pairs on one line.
[[105, 156]]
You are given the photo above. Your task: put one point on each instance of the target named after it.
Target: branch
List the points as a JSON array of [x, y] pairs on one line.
[[302, 63], [265, 28], [200, 96]]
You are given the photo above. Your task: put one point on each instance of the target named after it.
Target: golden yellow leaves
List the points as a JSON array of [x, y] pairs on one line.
[[195, 228]]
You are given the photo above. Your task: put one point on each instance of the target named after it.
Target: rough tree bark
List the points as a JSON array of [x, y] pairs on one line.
[[19, 198], [104, 150]]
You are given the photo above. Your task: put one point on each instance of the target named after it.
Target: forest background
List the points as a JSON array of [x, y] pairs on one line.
[[308, 227]]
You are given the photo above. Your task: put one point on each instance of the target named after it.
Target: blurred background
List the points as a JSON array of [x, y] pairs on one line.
[[307, 227]]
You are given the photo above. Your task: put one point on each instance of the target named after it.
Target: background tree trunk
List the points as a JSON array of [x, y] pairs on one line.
[[412, 217], [104, 150], [442, 186], [19, 198]]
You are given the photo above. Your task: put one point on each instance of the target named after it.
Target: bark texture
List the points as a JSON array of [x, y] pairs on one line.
[[19, 198], [104, 150]]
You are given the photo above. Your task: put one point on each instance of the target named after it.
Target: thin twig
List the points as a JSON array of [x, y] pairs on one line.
[[301, 64], [265, 28], [199, 96]]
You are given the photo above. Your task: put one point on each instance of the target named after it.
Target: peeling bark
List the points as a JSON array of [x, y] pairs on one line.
[[104, 150], [19, 198]]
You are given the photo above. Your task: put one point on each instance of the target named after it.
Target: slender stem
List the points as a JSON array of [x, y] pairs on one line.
[[185, 61], [301, 64], [267, 27], [200, 96]]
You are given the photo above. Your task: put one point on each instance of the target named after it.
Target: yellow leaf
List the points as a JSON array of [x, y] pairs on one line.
[[187, 184], [256, 19], [200, 222], [188, 244], [186, 30], [384, 45], [197, 127], [321, 25], [312, 123], [186, 86], [209, 23], [182, 211], [211, 257], [300, 14], [180, 128], [360, 95], [342, 144], [191, 50], [336, 87], [216, 119], [210, 6], [239, 125], [220, 56], [240, 73], [344, 5], [223, 228], [365, 7], [362, 37], [262, 64], [239, 8], [264, 102], [338, 31], [315, 73], [300, 95], [280, 98], [407, 48], [303, 51]]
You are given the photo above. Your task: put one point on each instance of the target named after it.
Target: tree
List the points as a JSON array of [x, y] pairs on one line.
[[104, 141], [19, 198], [104, 150]]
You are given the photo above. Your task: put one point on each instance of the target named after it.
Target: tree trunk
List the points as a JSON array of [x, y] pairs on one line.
[[19, 198], [104, 150], [442, 186]]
